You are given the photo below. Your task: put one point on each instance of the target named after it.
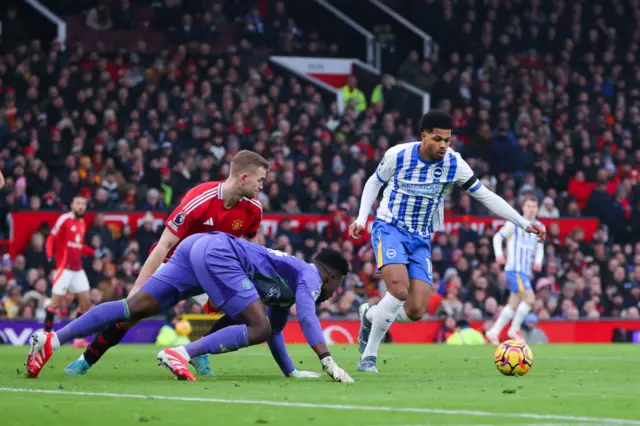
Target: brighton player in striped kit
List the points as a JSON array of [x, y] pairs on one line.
[[524, 253], [419, 176]]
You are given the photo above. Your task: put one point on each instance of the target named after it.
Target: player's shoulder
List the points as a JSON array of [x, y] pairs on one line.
[[453, 155], [62, 222], [402, 147], [201, 196], [253, 205], [206, 187], [65, 217], [394, 153]]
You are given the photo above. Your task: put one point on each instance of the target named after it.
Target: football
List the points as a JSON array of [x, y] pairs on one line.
[[183, 328], [513, 358]]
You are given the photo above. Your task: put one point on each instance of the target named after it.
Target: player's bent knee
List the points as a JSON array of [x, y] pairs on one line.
[[528, 297], [259, 332], [396, 279], [415, 312]]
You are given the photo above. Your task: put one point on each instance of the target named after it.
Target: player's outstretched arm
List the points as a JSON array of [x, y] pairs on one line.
[[466, 179], [306, 309], [168, 240], [370, 192], [278, 317], [1, 180], [498, 206]]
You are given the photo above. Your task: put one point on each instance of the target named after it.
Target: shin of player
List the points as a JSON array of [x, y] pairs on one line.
[[228, 206], [65, 247], [419, 176], [524, 253]]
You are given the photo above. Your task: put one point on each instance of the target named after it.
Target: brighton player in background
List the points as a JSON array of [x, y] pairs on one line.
[[230, 206], [524, 251], [241, 278], [419, 176], [65, 247]]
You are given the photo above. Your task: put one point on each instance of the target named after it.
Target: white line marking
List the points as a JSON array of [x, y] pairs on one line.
[[334, 406]]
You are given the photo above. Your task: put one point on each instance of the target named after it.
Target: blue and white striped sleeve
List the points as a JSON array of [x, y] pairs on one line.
[[387, 166], [376, 181], [465, 178]]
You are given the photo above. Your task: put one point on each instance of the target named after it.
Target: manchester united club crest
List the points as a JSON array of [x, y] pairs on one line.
[[237, 224]]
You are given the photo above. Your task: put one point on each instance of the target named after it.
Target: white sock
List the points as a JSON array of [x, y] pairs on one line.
[[182, 351], [371, 313], [522, 311], [384, 316], [503, 319], [402, 316], [55, 342]]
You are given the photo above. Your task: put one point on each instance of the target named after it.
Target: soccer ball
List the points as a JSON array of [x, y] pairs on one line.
[[183, 328], [513, 358]]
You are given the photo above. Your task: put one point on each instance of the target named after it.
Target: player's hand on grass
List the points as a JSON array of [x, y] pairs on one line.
[[334, 371], [538, 229], [296, 374], [356, 230]]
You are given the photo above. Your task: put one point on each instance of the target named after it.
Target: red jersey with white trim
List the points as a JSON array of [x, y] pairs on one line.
[[202, 210], [67, 238]]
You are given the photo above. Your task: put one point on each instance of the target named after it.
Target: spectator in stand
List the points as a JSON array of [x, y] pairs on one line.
[[146, 236], [99, 18], [352, 96], [255, 26], [387, 95], [548, 210], [13, 31], [425, 79], [123, 15], [12, 301], [35, 254]]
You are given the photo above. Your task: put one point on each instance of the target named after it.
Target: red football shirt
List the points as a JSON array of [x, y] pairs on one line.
[[202, 210], [67, 238]]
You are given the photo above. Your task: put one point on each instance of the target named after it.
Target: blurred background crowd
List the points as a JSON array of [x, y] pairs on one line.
[[545, 95]]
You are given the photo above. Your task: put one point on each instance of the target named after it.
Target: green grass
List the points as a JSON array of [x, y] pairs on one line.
[[595, 382]]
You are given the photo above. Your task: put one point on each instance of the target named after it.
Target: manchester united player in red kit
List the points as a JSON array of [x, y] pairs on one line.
[[67, 239], [229, 206]]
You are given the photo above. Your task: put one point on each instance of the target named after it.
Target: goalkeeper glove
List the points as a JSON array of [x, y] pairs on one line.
[[334, 371]]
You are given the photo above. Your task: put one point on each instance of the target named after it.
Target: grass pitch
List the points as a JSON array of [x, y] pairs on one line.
[[417, 385]]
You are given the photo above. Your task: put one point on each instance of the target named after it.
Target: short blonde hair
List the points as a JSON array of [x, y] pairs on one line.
[[245, 161]]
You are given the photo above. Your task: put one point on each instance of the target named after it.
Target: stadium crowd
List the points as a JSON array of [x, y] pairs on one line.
[[544, 105]]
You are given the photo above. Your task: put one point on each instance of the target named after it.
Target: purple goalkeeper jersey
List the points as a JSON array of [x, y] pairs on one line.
[[235, 272]]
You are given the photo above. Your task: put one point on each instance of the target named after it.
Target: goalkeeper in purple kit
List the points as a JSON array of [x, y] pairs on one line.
[[251, 284]]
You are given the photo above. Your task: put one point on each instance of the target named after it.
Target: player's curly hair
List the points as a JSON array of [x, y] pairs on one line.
[[333, 259], [436, 119]]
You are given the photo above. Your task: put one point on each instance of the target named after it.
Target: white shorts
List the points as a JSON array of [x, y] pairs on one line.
[[70, 281]]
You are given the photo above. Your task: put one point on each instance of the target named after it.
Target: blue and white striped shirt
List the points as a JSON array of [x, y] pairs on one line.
[[414, 197], [523, 249]]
